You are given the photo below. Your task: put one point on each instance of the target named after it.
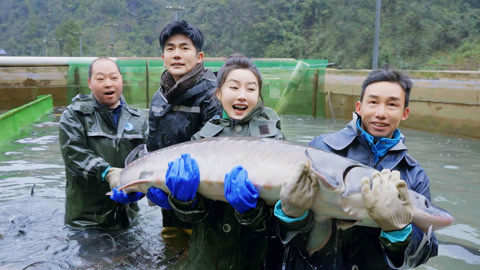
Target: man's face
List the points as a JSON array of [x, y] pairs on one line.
[[382, 108], [180, 56], [106, 83]]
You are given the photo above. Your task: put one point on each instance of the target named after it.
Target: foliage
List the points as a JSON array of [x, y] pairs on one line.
[[414, 34], [67, 33]]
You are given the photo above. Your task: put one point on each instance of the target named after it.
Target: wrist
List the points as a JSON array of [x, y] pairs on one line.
[[245, 208], [285, 218], [183, 204], [104, 173], [397, 236], [293, 210], [250, 211]]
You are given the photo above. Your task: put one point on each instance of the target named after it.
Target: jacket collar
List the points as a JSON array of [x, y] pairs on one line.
[[87, 104], [172, 89], [205, 82], [342, 139], [84, 103], [217, 124], [255, 112]]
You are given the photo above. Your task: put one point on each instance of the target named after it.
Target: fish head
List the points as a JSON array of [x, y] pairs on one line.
[[427, 214]]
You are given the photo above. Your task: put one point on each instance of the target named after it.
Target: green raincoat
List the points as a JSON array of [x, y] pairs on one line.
[[261, 122], [90, 142], [222, 238]]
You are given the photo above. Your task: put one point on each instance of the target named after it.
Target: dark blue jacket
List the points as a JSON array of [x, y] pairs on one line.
[[176, 122], [172, 123], [361, 246]]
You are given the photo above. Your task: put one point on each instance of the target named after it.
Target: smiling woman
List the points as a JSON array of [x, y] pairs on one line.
[[239, 94], [239, 91]]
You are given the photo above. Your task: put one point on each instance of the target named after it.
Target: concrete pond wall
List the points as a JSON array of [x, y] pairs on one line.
[[441, 101]]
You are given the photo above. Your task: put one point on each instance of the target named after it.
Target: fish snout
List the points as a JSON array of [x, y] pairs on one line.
[[427, 214]]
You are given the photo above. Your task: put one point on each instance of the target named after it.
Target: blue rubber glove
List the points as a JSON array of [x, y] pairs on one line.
[[239, 190], [122, 197], [158, 197], [183, 178]]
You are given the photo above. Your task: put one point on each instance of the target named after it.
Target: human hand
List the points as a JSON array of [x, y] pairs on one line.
[[239, 190], [299, 193], [122, 197], [183, 178], [158, 197], [113, 177], [388, 201]]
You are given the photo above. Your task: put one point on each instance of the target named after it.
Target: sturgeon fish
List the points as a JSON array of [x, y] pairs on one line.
[[269, 163]]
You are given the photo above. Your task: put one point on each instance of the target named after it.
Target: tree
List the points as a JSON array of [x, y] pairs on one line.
[[70, 42]]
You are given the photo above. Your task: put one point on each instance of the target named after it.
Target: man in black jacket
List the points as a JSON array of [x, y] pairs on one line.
[[181, 106]]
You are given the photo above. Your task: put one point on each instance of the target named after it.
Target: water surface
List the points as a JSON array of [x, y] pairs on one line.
[[33, 234]]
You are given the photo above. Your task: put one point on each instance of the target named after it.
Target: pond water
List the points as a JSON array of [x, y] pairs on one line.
[[33, 234]]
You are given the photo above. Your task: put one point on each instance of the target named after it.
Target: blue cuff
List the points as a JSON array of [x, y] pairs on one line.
[[104, 173], [397, 236], [279, 214]]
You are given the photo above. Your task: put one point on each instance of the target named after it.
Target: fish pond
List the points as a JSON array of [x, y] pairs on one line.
[[32, 188]]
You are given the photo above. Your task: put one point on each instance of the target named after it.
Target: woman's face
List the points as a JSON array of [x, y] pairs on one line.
[[240, 93]]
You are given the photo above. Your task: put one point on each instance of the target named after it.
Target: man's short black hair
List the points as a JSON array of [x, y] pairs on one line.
[[389, 76], [184, 28], [90, 67]]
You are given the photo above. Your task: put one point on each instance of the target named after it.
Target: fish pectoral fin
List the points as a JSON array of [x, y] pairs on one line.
[[345, 224], [329, 180], [141, 185], [319, 235]]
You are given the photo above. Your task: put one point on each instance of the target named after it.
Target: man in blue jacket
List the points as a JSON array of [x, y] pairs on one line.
[[373, 138]]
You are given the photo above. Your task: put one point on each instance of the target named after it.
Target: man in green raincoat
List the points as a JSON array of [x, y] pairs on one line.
[[97, 132]]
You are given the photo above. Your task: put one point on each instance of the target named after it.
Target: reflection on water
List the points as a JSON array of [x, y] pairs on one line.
[[33, 234]]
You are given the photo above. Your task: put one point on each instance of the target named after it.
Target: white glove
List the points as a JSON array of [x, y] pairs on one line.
[[388, 201], [113, 177], [299, 193]]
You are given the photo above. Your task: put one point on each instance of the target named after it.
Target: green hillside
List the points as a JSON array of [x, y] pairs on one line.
[[414, 34]]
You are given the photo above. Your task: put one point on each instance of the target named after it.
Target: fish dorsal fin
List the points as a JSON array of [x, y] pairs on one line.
[[327, 179], [137, 152]]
